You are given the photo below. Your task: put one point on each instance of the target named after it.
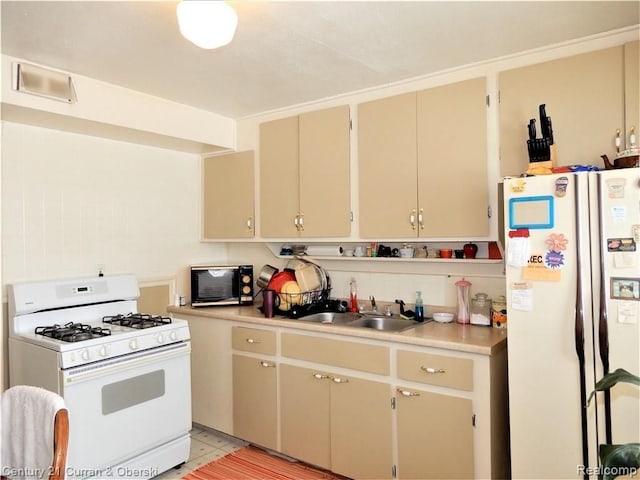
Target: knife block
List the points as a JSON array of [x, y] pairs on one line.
[[543, 167]]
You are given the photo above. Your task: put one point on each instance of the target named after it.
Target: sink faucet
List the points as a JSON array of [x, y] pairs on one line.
[[374, 307]]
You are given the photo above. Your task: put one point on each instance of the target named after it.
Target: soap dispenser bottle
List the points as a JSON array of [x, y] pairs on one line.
[[353, 296], [419, 307]]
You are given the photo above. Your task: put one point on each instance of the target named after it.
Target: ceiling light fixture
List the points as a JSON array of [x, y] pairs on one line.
[[207, 23]]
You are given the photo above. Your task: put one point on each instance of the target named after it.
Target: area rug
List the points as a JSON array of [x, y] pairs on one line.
[[250, 463]]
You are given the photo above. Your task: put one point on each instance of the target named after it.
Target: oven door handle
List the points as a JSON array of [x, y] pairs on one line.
[[123, 363]]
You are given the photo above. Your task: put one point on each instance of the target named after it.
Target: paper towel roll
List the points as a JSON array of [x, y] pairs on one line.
[[324, 250]]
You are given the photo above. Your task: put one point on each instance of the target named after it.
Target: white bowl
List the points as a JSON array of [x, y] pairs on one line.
[[443, 317], [406, 252]]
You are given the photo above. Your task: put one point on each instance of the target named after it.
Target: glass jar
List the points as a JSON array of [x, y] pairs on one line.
[[463, 301], [499, 312], [481, 309]]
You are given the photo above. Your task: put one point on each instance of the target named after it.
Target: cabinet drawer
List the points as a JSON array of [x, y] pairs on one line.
[[253, 340], [436, 369], [338, 353]]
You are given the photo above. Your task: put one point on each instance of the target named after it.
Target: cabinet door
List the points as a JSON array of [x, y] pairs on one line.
[[387, 167], [228, 188], [254, 401], [279, 177], [211, 380], [453, 182], [361, 428], [304, 415], [435, 435], [325, 204], [583, 95]]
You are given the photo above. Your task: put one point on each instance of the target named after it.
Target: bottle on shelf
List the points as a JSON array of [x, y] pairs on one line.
[[353, 296], [419, 307]]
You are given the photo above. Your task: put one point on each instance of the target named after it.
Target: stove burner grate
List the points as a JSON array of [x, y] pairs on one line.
[[72, 332], [137, 320]]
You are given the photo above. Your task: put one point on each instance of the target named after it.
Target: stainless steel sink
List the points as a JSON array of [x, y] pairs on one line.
[[335, 318], [386, 324], [376, 322]]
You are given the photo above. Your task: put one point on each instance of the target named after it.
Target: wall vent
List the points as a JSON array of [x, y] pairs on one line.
[[44, 83]]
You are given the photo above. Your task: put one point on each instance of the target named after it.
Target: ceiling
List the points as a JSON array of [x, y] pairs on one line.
[[290, 52]]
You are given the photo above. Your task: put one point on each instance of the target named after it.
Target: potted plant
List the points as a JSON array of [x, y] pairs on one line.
[[621, 459]]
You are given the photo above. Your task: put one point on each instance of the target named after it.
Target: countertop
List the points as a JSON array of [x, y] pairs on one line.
[[450, 336]]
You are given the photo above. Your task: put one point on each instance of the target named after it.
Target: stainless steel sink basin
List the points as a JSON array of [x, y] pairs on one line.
[[377, 322], [335, 318], [386, 324]]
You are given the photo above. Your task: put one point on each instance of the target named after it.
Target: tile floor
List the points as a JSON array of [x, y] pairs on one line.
[[206, 445]]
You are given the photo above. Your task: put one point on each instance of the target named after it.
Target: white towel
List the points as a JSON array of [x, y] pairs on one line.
[[28, 415]]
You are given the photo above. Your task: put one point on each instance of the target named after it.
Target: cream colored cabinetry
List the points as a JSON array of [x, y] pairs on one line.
[[435, 430], [304, 175], [422, 163], [255, 387], [584, 96], [340, 422], [211, 380], [228, 196]]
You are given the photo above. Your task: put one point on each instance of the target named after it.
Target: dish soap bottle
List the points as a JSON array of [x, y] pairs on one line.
[[353, 296], [419, 308]]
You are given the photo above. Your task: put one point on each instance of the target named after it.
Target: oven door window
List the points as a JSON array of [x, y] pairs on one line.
[[132, 391]]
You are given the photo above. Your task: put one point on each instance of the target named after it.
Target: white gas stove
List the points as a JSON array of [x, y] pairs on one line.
[[118, 370]]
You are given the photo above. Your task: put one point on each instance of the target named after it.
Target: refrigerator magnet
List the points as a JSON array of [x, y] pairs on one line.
[[561, 186], [625, 288], [621, 245]]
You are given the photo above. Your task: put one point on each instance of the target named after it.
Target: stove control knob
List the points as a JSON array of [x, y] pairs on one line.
[[160, 338], [85, 354], [133, 344], [104, 351], [173, 335]]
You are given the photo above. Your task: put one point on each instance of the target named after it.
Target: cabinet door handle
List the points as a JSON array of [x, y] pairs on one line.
[[407, 393], [301, 221], [421, 218], [296, 222], [252, 341], [339, 380], [250, 223], [320, 376], [431, 369], [266, 364], [412, 219]]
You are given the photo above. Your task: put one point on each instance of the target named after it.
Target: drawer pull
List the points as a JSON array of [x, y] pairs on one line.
[[320, 376], [407, 393], [267, 364], [432, 370], [340, 380], [252, 341]]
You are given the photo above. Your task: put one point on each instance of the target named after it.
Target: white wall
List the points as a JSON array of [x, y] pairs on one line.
[[72, 202]]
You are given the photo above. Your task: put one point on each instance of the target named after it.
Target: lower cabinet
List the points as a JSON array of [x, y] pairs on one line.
[[435, 435], [255, 386], [341, 423]]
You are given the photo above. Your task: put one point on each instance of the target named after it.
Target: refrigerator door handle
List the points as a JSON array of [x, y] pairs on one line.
[[579, 332], [603, 327]]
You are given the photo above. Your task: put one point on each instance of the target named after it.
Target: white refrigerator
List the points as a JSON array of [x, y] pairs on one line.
[[573, 306]]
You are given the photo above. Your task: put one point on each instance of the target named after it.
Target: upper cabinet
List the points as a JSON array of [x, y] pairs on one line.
[[584, 96], [422, 163], [228, 186], [304, 175]]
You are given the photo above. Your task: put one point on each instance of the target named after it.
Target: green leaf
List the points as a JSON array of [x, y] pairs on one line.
[[611, 378], [619, 460]]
